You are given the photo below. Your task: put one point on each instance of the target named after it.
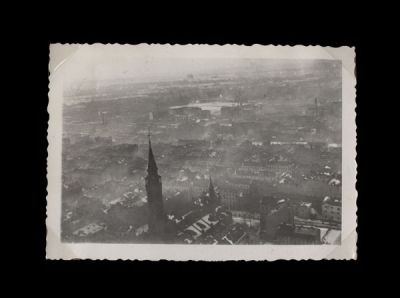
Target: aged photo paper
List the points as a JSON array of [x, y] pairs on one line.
[[201, 152]]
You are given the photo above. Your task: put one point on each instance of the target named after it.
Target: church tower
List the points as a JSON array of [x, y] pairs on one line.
[[211, 190], [215, 198], [154, 197]]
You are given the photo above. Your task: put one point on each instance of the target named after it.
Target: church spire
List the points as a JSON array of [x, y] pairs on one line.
[[211, 190], [152, 166], [156, 214]]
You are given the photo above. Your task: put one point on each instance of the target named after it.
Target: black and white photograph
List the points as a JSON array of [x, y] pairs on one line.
[[201, 147]]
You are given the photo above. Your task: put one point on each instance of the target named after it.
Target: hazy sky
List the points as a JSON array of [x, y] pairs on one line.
[[104, 62]]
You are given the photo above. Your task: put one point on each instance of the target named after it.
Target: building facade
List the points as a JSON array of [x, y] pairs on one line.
[[332, 209]]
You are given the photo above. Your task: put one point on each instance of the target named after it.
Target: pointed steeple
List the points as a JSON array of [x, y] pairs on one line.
[[211, 190], [152, 166], [155, 205]]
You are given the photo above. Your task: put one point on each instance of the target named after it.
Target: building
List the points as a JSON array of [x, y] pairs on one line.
[[201, 221], [212, 194], [90, 231], [272, 214], [255, 175], [229, 198], [276, 167], [240, 184], [157, 219], [332, 209], [198, 187], [302, 210], [180, 187], [201, 161], [293, 234]]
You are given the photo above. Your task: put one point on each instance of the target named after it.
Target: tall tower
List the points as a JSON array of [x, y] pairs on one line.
[[154, 197], [214, 197], [211, 190]]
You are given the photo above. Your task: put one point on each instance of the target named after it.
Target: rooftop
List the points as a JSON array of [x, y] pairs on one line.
[[87, 230], [306, 231], [332, 201]]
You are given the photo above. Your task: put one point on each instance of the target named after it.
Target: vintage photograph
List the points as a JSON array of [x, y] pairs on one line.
[[200, 149]]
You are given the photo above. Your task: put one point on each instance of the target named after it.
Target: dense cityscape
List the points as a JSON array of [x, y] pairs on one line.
[[248, 154]]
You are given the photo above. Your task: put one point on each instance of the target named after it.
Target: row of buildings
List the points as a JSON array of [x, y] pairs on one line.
[[206, 218]]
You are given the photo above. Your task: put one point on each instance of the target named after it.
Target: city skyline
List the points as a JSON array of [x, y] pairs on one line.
[[228, 106]]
